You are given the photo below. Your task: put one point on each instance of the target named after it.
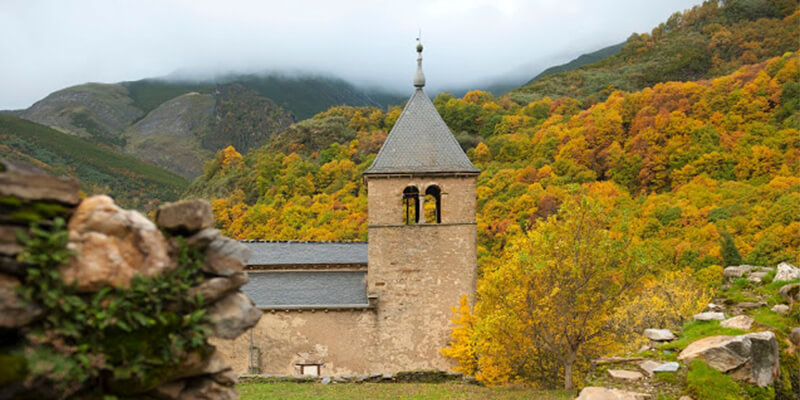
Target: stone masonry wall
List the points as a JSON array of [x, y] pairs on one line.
[[419, 272], [110, 246], [341, 339]]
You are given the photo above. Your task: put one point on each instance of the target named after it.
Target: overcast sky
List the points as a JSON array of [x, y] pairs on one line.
[[49, 45]]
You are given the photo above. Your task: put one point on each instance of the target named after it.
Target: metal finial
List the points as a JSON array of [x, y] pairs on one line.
[[419, 77]]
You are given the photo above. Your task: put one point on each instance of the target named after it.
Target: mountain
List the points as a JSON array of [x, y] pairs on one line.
[[583, 59], [302, 94], [101, 169], [179, 125], [709, 40]]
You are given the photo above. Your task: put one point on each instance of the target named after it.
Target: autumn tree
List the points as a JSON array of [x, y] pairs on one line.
[[563, 282]]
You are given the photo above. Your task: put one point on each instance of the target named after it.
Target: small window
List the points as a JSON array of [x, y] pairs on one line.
[[411, 205], [310, 369], [433, 205]]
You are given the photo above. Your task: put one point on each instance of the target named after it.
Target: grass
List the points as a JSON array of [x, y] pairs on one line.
[[707, 383], [380, 391], [96, 166], [776, 321], [694, 330]]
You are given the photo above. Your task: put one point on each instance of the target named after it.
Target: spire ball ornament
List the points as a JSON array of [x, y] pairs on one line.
[[419, 77]]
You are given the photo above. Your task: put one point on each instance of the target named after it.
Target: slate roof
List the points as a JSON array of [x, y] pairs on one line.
[[306, 253], [420, 142], [307, 288]]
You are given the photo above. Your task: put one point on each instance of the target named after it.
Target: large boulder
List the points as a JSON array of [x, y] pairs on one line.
[[752, 358], [111, 246], [185, 216], [786, 272], [14, 311], [232, 315], [601, 393]]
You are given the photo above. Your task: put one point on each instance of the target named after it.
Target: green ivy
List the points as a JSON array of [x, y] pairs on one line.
[[124, 340]]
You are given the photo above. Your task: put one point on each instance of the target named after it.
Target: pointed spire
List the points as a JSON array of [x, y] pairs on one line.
[[419, 77]]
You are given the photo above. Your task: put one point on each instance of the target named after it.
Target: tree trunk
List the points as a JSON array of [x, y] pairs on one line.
[[568, 363], [568, 375]]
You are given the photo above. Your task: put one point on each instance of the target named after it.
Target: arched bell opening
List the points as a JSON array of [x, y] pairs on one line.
[[433, 205], [410, 205]]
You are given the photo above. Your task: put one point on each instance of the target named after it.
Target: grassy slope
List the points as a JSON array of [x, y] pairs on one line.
[[132, 181], [583, 59], [303, 95], [378, 391]]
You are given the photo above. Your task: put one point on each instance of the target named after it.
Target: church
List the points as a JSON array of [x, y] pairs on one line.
[[337, 308]]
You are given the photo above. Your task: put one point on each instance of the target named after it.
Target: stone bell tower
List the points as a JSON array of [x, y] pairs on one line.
[[422, 235]]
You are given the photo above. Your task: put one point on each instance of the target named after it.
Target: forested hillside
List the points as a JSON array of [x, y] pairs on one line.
[[131, 182], [709, 40], [697, 161], [662, 187]]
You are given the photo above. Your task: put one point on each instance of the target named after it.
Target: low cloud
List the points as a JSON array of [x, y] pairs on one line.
[[49, 45]]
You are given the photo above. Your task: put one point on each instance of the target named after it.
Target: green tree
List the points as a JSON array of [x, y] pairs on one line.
[[730, 254]]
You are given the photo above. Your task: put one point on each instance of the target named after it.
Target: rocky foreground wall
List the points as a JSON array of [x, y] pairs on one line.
[[98, 300]]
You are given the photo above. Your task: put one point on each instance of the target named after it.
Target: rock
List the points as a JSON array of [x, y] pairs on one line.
[[780, 308], [112, 246], [9, 245], [709, 316], [226, 377], [14, 311], [671, 366], [185, 216], [625, 375], [790, 292], [202, 239], [601, 393], [208, 389], [756, 276], [737, 271], [748, 305], [169, 391], [615, 360], [214, 288], [326, 380], [648, 366], [214, 364], [714, 307], [32, 184], [10, 265], [685, 398], [786, 272], [724, 353], [659, 335], [225, 256], [795, 336], [232, 315], [742, 322], [752, 358]]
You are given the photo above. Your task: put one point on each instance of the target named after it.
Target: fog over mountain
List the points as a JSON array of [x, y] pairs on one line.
[[50, 44]]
